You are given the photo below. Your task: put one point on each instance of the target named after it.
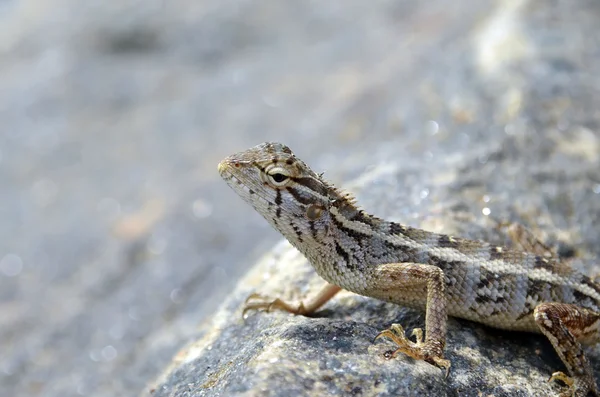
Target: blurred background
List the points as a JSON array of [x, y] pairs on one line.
[[117, 237]]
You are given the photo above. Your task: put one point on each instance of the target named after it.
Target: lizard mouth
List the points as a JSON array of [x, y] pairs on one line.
[[228, 175], [223, 169]]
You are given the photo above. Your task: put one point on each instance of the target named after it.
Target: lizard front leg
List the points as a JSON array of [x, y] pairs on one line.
[[259, 302], [416, 284], [566, 326]]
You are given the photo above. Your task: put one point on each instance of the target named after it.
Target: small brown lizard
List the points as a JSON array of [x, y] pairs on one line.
[[525, 289]]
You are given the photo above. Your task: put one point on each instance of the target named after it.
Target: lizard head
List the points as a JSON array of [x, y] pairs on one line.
[[283, 189]]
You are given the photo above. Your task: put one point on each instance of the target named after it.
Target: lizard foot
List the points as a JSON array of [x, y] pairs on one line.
[[267, 304], [419, 350], [577, 386]]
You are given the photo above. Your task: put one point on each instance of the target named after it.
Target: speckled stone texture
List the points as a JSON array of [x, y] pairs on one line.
[[117, 237]]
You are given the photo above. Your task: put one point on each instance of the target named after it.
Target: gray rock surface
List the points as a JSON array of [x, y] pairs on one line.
[[117, 238]]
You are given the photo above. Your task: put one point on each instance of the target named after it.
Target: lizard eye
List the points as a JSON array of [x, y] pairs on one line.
[[278, 176]]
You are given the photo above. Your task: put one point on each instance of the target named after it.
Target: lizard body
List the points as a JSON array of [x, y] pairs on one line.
[[526, 289]]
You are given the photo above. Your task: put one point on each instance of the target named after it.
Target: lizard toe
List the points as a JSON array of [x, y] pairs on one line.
[[265, 304], [577, 386], [429, 352]]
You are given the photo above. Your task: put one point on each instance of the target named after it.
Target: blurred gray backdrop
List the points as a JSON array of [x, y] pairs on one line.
[[117, 237]]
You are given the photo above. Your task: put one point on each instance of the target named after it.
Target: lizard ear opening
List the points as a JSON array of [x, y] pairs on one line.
[[314, 212]]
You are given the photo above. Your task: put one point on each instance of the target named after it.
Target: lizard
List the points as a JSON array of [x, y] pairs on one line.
[[522, 288]]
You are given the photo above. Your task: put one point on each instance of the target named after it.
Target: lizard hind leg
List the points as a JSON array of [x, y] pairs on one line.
[[566, 325]]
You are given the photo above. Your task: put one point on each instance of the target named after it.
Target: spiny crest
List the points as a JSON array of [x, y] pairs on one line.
[[337, 197], [343, 197], [337, 193]]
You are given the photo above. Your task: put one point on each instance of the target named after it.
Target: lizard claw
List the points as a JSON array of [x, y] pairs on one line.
[[395, 333], [254, 305], [419, 350], [576, 386], [264, 303], [254, 295], [561, 376]]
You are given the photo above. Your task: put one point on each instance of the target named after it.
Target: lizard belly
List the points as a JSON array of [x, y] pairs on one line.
[[415, 298], [506, 321]]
